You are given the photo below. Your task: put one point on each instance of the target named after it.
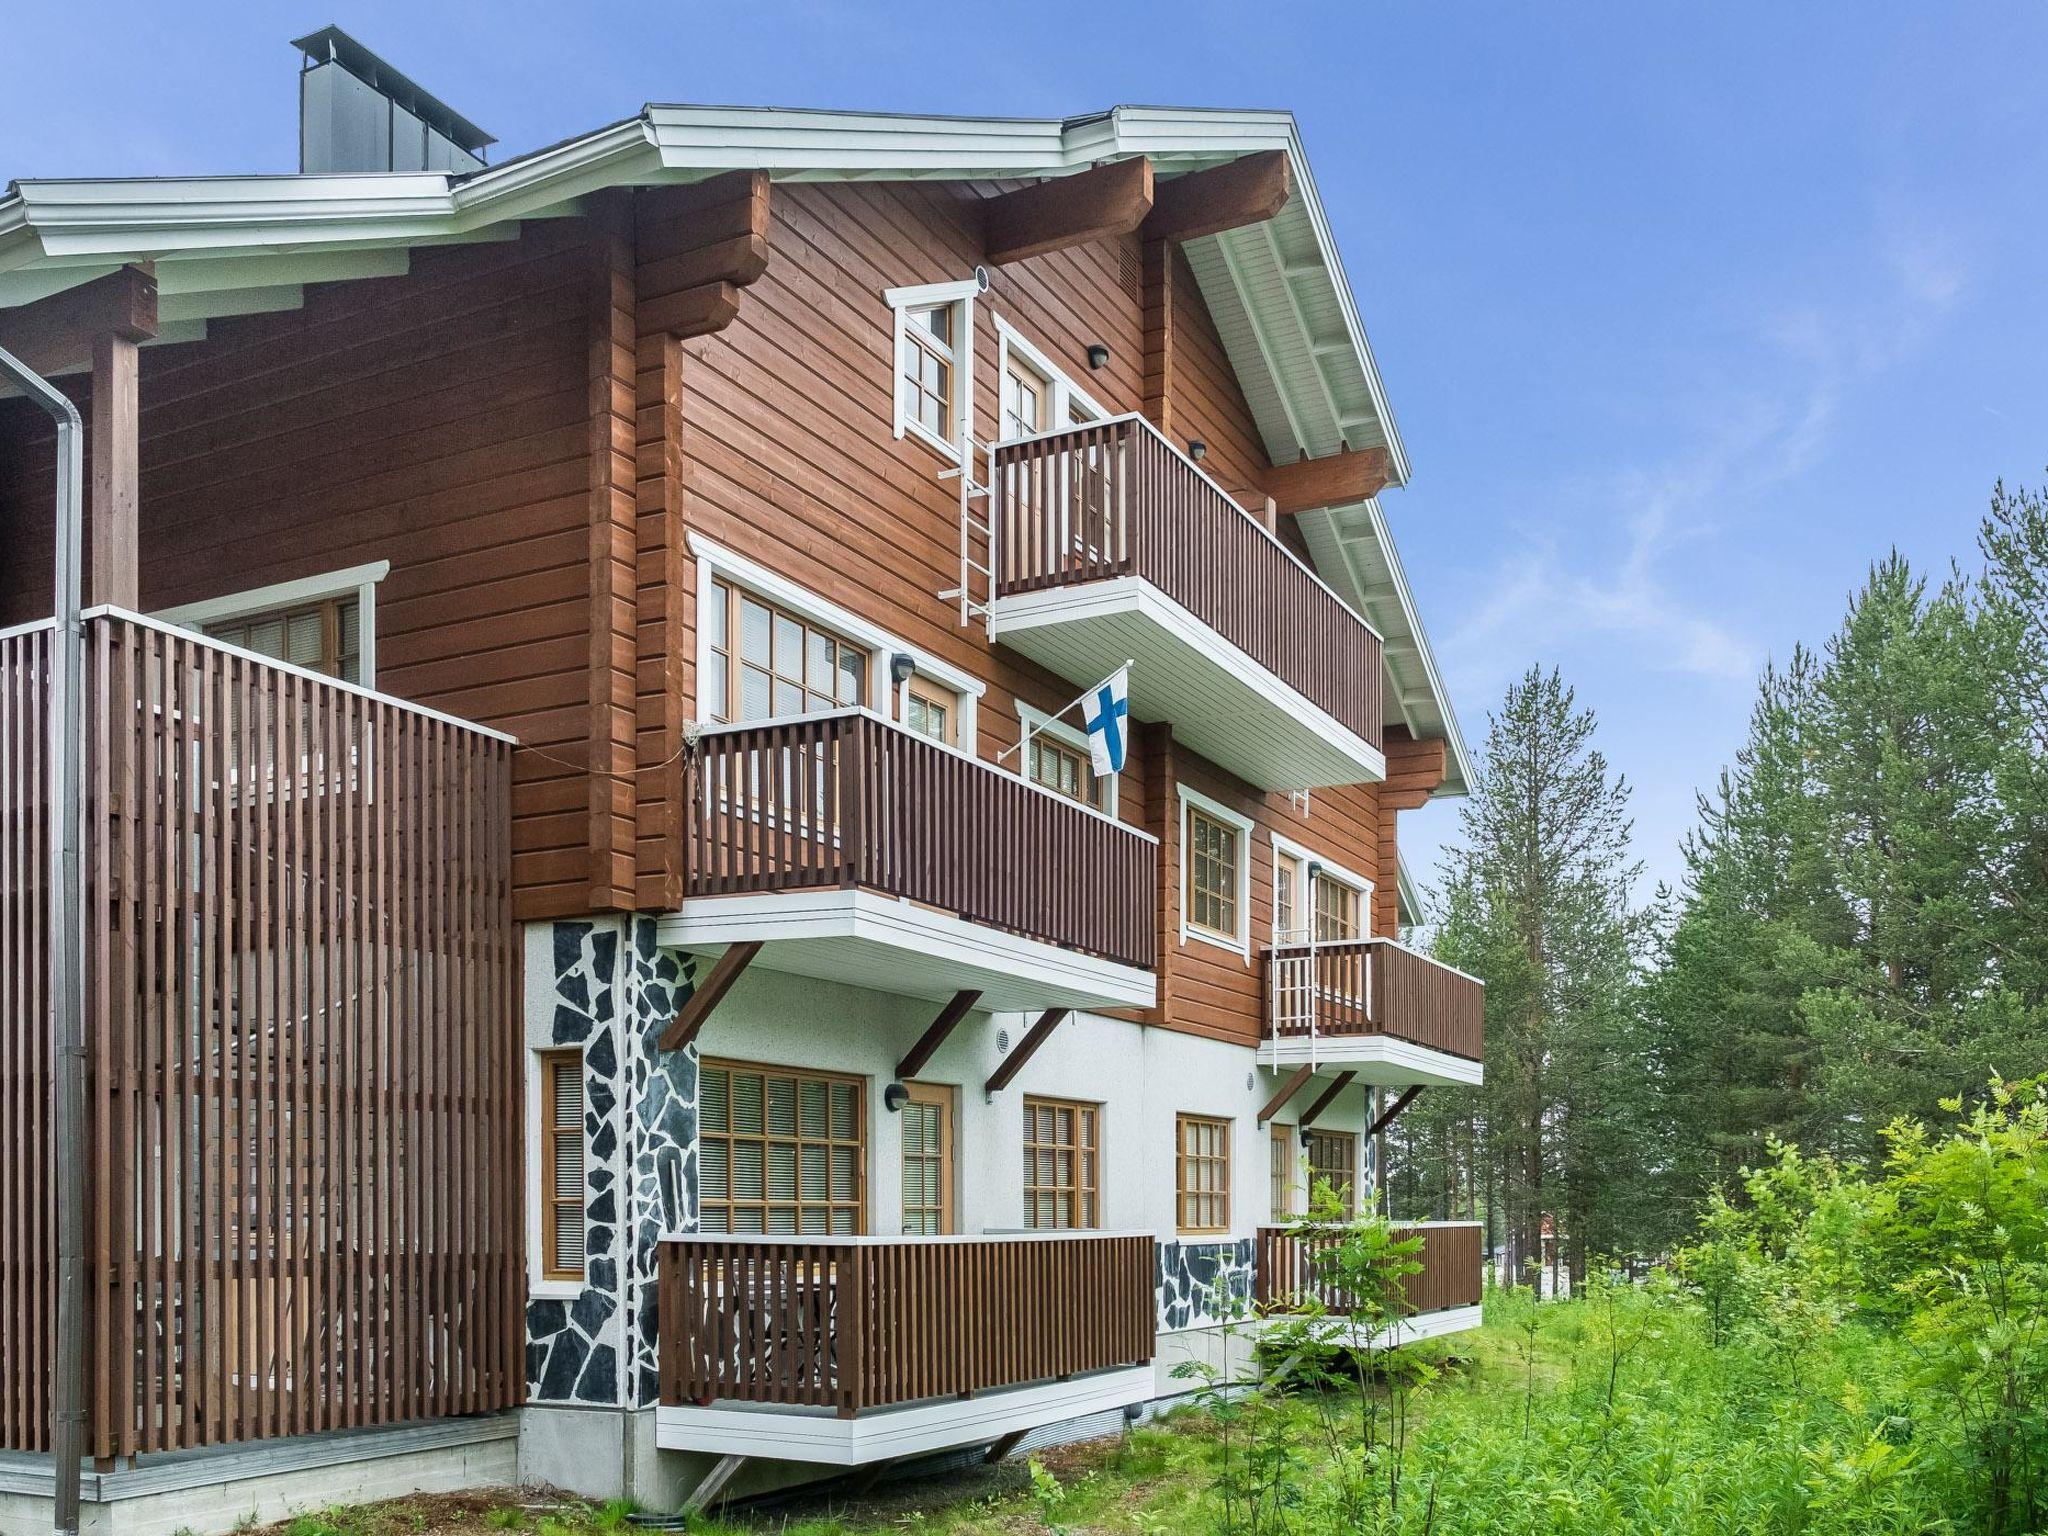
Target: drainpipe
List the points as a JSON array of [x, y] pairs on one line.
[[67, 928]]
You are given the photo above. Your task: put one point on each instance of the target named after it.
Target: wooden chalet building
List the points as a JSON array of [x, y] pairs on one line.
[[600, 966]]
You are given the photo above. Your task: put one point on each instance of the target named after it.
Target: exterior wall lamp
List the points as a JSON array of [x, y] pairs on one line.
[[1197, 449], [894, 1097], [901, 666], [1098, 356]]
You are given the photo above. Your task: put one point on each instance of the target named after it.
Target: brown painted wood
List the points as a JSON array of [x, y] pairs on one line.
[[1408, 1096], [928, 1043], [1334, 480], [112, 443], [699, 311], [1025, 1049], [1288, 1269], [707, 995], [1325, 1099], [1047, 216], [1248, 190], [59, 332], [1373, 986], [1296, 1081]]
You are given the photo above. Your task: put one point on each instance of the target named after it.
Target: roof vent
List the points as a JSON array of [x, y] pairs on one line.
[[357, 113]]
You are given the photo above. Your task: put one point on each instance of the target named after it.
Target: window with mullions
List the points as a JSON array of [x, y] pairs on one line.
[[1212, 875], [929, 366], [781, 1151], [1062, 1165], [1202, 1173], [767, 662], [1065, 771], [323, 637], [1333, 1160]]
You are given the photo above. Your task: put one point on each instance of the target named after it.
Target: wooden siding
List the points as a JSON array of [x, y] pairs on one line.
[[1374, 987], [852, 1325]]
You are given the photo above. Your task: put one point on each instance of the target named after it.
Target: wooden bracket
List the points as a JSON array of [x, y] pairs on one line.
[[1004, 1446], [929, 1042], [1248, 190], [58, 333], [1387, 1119], [1108, 200], [1288, 1090], [712, 1485], [708, 994], [1334, 480], [1326, 1098], [1026, 1048]]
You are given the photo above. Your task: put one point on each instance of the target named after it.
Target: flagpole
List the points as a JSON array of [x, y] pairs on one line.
[[1024, 739]]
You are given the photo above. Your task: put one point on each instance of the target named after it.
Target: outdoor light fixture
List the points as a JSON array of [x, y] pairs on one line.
[[1098, 355], [901, 666], [894, 1097], [1197, 449]]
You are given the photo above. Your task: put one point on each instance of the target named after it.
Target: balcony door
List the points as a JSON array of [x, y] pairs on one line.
[[929, 1200]]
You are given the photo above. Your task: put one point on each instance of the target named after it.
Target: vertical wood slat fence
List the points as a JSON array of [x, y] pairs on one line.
[[1291, 1266], [1115, 498], [1345, 987], [854, 1324], [305, 1195], [847, 798]]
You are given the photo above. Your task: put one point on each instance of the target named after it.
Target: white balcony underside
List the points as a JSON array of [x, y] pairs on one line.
[[882, 944], [1383, 1060], [819, 1436], [1223, 704]]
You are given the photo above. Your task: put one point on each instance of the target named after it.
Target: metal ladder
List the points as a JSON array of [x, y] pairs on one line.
[[971, 524]]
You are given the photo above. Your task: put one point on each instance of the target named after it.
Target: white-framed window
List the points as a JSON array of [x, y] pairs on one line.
[[1315, 897], [724, 578], [325, 623], [1057, 759], [1036, 395], [933, 361], [1215, 874]]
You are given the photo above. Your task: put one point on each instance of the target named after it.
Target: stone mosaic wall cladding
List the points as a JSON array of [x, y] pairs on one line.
[[614, 991], [1203, 1284]]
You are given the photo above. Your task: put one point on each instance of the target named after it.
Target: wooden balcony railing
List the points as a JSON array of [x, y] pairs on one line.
[[303, 1058], [853, 1324], [1349, 987], [1115, 498], [846, 798], [1291, 1268]]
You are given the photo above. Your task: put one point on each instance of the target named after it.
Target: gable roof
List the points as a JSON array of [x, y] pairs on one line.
[[1277, 291]]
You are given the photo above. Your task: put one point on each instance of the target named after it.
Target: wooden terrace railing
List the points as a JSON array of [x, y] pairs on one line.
[[1349, 987], [854, 1324], [1115, 498], [1290, 1264], [306, 1197], [846, 798]]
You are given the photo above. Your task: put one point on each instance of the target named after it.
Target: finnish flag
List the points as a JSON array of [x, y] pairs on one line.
[[1107, 712]]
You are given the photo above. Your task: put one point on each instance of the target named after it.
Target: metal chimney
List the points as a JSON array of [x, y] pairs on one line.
[[357, 113]]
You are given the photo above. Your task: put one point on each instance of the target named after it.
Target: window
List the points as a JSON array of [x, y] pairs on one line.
[[1062, 1165], [562, 1158], [781, 1151], [1037, 395], [928, 1161], [1212, 875], [932, 711], [1333, 1160], [766, 661], [1064, 770], [1281, 1145], [1026, 397], [935, 363], [1315, 898], [322, 637], [1202, 1173], [1286, 897], [1337, 906]]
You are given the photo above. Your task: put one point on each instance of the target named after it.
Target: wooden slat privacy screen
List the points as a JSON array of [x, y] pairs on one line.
[[1115, 498], [1450, 1259], [1373, 987], [306, 1193], [854, 1325]]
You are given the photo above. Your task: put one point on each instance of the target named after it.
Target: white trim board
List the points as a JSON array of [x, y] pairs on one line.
[[865, 939], [960, 295], [1042, 724], [1304, 896], [360, 579], [821, 1436], [1194, 799], [1385, 1061]]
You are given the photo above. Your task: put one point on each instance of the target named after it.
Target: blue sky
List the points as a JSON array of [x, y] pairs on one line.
[[1687, 313]]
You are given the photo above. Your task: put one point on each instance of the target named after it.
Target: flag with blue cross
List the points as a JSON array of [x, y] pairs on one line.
[[1106, 709]]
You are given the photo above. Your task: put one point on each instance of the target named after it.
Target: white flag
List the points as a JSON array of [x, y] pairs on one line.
[[1107, 710]]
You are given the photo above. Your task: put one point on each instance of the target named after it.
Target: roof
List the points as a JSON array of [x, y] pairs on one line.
[[1277, 291]]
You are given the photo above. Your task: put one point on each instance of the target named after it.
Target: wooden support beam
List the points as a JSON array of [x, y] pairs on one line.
[[1288, 1090], [1387, 1119], [929, 1042], [708, 1489], [1002, 1448], [1026, 1048], [708, 994], [1248, 190], [1326, 1098], [113, 442], [1334, 480], [691, 312], [59, 332], [1048, 216]]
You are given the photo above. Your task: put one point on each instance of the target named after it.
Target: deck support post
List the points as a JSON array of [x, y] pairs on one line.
[[1288, 1090], [1048, 1021], [929, 1042], [709, 993], [1002, 1448], [706, 1493]]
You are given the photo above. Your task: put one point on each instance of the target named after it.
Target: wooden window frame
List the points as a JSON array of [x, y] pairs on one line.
[[907, 302], [861, 1144], [919, 689], [1317, 1174], [1239, 827], [1085, 1192], [1187, 1200], [1304, 892], [726, 649], [552, 1201], [1283, 1146], [947, 1099], [1066, 403], [355, 582]]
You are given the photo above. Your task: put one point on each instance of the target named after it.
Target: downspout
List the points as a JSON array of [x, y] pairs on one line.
[[67, 928]]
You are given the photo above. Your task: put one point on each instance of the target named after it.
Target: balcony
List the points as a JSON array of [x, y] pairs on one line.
[[850, 849], [1444, 1298], [1111, 545], [846, 1350], [1389, 1015]]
